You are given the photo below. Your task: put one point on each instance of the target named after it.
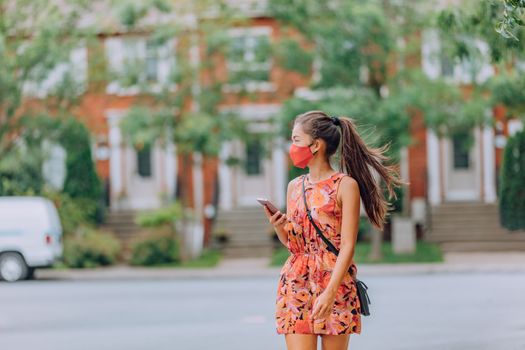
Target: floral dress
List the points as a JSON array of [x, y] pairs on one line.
[[307, 271]]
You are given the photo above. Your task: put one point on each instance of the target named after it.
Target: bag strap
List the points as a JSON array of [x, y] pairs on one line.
[[331, 247]]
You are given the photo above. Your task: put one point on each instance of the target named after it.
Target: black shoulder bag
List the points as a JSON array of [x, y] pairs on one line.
[[362, 293]]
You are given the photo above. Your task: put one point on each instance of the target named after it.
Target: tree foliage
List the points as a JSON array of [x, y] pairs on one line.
[[507, 89], [500, 25], [33, 42], [496, 22], [512, 188], [38, 89], [81, 180], [352, 44], [189, 114], [346, 37]]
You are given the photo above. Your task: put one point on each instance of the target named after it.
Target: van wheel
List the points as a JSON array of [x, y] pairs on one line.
[[13, 267]]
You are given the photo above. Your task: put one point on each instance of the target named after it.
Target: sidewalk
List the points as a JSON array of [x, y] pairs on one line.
[[258, 267]]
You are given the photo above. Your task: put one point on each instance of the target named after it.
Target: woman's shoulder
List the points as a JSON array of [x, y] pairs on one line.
[[294, 183], [296, 180], [347, 179]]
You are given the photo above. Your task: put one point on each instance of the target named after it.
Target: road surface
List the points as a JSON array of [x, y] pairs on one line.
[[437, 311]]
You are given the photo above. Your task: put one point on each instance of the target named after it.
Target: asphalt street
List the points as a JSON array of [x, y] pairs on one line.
[[436, 311]]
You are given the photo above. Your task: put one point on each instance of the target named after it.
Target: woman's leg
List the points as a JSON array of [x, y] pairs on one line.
[[296, 341], [335, 342]]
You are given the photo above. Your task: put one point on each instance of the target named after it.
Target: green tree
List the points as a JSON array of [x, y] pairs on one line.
[[40, 83], [186, 108], [500, 25], [512, 189], [512, 17], [82, 182], [352, 44], [29, 52], [188, 114], [497, 22]]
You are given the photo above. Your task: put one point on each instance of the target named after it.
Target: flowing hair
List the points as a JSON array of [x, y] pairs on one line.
[[357, 160]]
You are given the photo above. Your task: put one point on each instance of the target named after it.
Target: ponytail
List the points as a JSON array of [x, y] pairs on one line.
[[358, 160]]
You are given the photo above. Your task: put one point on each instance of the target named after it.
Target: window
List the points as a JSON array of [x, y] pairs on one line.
[[152, 58], [253, 157], [144, 161], [139, 63], [446, 65], [249, 58], [460, 151], [70, 73], [437, 63]]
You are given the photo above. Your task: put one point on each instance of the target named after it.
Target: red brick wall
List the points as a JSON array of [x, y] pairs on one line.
[[417, 157]]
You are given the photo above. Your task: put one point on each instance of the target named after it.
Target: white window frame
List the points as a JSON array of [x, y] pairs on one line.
[[116, 53], [251, 86], [485, 69], [431, 61]]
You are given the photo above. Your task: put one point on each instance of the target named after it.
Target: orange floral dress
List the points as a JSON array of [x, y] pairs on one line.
[[307, 271]]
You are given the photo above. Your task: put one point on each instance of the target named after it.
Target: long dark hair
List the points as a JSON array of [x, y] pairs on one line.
[[357, 160]]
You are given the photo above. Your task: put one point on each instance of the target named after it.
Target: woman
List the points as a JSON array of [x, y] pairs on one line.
[[316, 295]]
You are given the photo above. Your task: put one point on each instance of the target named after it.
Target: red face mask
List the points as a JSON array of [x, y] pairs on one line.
[[300, 155]]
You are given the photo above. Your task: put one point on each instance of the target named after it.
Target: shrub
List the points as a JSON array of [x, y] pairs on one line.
[[73, 212], [512, 184], [90, 248], [82, 181], [155, 246], [20, 174], [159, 217]]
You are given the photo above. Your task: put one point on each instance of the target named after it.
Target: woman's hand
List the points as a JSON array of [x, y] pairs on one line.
[[278, 219], [323, 305]]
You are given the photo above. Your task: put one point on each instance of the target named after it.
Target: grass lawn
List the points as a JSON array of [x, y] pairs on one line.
[[425, 252], [208, 258], [60, 265]]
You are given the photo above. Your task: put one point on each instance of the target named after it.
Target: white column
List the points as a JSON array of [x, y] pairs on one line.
[[489, 165], [194, 237], [279, 172], [225, 176], [198, 190], [404, 171], [171, 168], [433, 168], [115, 159], [405, 176], [158, 168]]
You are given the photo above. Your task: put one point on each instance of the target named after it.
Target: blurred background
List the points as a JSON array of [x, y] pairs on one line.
[[136, 135]]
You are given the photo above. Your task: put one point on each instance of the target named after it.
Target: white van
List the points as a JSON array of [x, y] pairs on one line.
[[30, 236]]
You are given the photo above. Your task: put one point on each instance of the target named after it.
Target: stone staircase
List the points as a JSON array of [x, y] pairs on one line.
[[471, 226], [122, 224], [249, 233]]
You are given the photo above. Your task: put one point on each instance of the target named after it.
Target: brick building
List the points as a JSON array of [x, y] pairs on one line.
[[444, 178]]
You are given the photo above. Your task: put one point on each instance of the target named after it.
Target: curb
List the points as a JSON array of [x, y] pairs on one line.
[[364, 270]]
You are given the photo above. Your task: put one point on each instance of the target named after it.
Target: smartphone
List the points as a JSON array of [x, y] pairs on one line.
[[272, 208]]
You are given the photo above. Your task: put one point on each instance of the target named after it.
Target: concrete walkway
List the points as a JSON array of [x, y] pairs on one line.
[[250, 267]]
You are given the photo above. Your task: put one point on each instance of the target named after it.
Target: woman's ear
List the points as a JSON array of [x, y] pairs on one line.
[[317, 144]]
